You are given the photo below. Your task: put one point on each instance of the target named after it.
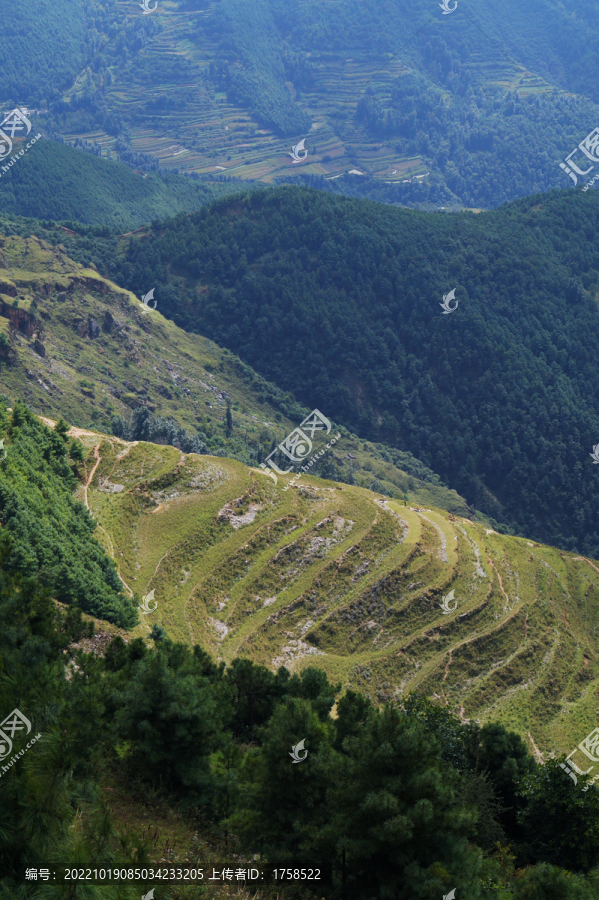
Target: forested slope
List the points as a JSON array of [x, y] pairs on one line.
[[46, 533], [74, 344], [58, 183]]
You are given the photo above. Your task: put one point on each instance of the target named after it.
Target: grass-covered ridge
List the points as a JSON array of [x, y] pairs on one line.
[[328, 574]]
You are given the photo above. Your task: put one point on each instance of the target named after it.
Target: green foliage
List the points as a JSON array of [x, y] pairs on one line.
[[394, 813], [76, 451], [383, 812], [157, 633], [51, 806], [61, 428], [34, 68], [165, 704], [255, 691], [560, 821], [282, 808], [259, 82], [143, 426], [477, 791], [353, 712], [545, 882], [53, 534], [503, 755]]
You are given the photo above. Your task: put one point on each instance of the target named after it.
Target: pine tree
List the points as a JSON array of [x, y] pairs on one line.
[[394, 820]]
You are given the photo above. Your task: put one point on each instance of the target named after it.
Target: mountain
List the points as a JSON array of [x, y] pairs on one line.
[[469, 109], [324, 572], [328, 574], [339, 302], [196, 753]]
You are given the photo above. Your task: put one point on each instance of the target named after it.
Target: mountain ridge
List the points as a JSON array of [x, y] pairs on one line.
[[332, 575]]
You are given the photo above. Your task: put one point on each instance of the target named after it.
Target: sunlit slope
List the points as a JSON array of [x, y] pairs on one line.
[[332, 575]]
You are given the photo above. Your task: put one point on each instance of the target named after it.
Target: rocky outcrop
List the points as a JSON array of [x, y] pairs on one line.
[[6, 287], [20, 318], [8, 354]]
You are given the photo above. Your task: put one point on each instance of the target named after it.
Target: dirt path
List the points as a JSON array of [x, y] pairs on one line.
[[158, 566], [577, 558], [108, 538], [535, 750], [449, 662], [499, 579], [88, 480], [125, 585]]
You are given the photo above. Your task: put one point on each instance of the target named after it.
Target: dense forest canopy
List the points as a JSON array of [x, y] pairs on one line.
[[59, 183], [52, 534]]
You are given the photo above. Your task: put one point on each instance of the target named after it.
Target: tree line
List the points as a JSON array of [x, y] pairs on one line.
[[399, 801]]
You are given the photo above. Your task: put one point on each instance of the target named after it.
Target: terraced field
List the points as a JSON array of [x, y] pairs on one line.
[[334, 575], [181, 93]]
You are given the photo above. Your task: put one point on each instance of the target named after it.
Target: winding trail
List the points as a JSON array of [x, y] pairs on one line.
[[158, 565], [577, 558], [498, 578], [88, 481], [442, 553], [535, 750]]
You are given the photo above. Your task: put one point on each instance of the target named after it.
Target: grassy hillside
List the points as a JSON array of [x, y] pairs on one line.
[[155, 756], [330, 575], [470, 109]]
